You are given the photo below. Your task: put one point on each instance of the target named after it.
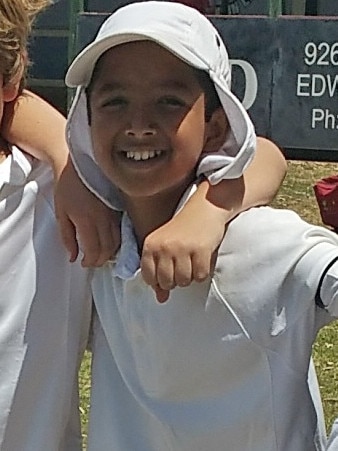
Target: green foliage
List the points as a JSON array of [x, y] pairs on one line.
[[297, 194]]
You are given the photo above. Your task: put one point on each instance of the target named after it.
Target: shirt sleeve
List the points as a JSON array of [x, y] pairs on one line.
[[225, 163], [328, 289]]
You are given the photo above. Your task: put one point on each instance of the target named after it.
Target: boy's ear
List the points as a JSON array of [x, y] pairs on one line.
[[10, 91], [216, 130]]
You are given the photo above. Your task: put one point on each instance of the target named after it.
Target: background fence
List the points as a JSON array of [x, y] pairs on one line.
[[284, 61]]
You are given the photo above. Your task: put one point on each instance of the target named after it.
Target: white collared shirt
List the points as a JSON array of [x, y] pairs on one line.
[[223, 364], [44, 315]]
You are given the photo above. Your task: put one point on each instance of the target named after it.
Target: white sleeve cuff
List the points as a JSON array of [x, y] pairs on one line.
[[329, 290], [222, 164]]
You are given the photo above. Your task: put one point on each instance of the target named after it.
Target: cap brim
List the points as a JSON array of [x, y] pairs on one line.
[[81, 70]]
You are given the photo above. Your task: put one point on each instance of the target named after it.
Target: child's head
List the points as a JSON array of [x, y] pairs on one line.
[[149, 127], [16, 17], [157, 70]]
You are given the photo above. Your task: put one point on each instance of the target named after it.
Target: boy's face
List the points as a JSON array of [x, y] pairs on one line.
[[147, 119]]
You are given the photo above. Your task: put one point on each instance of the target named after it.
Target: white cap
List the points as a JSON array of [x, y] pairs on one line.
[[191, 37]]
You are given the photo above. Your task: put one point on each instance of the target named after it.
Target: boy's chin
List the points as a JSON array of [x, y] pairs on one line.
[[156, 194]]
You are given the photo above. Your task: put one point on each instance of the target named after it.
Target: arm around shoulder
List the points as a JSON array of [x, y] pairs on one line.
[[183, 250], [38, 128], [264, 175]]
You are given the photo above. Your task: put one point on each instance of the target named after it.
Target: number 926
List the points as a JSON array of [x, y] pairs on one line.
[[322, 54]]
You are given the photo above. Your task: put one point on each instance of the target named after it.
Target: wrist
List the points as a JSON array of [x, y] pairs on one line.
[[58, 164], [222, 201]]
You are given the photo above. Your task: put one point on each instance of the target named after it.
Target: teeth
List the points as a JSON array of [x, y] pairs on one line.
[[144, 155]]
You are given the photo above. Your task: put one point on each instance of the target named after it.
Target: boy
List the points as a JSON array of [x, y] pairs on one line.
[[47, 294], [223, 364], [45, 305], [40, 348]]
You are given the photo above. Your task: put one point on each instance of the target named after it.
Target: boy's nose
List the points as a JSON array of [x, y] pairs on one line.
[[140, 124], [140, 132]]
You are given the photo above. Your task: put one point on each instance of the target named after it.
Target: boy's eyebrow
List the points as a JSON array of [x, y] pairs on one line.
[[170, 83], [111, 86], [174, 84]]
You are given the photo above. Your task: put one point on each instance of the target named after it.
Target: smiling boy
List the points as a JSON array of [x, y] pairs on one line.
[[148, 129], [223, 364]]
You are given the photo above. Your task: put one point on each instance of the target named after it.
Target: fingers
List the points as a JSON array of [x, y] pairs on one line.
[[161, 295], [68, 235], [95, 242], [99, 240], [85, 221], [148, 266], [201, 265], [180, 252], [93, 252], [157, 266], [168, 266], [182, 273]]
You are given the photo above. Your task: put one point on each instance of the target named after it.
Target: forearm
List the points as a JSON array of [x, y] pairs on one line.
[[264, 175], [37, 128], [258, 186]]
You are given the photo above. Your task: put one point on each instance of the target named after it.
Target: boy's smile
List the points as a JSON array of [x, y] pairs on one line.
[[147, 112]]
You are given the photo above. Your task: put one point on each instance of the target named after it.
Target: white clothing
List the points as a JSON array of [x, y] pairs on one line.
[[44, 315], [333, 439], [222, 366]]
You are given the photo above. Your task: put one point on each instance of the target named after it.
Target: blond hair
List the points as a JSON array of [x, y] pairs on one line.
[[16, 18]]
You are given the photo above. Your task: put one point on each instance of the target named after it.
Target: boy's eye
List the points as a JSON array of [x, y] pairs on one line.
[[114, 102], [173, 102]]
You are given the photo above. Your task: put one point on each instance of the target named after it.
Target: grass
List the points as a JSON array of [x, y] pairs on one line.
[[84, 381], [297, 194]]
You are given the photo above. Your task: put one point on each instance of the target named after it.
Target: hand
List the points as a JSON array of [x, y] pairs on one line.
[[84, 218], [182, 250]]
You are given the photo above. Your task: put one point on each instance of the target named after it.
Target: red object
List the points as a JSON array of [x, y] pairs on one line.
[[326, 192]]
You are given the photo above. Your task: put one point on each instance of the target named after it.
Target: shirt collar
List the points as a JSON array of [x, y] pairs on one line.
[[15, 169], [127, 263], [128, 259]]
